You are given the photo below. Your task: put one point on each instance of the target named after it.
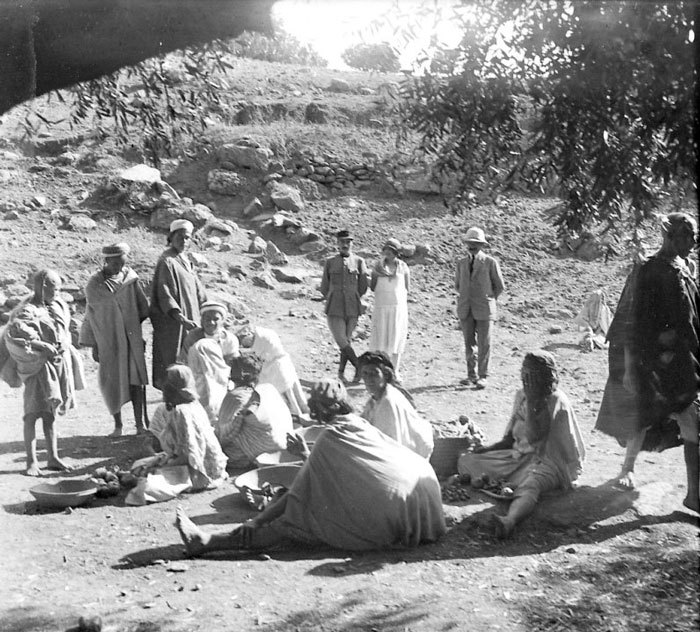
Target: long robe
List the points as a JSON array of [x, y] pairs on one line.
[[186, 436], [49, 384], [113, 317], [360, 490], [396, 417], [207, 357], [175, 287]]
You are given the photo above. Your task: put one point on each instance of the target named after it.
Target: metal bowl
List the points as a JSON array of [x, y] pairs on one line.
[[277, 458], [274, 474], [63, 494]]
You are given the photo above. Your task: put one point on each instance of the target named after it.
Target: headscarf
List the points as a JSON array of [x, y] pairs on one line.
[[116, 250], [381, 360], [545, 367], [39, 280], [327, 399], [179, 386], [181, 224]]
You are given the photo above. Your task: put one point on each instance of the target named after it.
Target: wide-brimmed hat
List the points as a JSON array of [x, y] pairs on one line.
[[393, 244], [116, 250], [344, 235], [476, 236]]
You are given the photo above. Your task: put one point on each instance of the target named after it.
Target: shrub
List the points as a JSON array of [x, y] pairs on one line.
[[380, 57]]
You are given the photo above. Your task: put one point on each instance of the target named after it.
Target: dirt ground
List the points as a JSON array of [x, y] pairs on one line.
[[594, 559]]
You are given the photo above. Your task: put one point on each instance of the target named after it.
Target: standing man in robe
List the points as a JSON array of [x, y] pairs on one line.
[[176, 296], [479, 283], [345, 281], [116, 307]]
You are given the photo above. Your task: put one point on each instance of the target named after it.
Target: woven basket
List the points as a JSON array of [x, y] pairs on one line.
[[445, 454]]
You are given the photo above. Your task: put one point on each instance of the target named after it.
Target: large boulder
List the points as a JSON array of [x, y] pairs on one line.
[[286, 198], [245, 155], [274, 255], [224, 182]]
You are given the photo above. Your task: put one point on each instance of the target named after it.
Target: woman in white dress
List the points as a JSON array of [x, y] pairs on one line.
[[390, 283]]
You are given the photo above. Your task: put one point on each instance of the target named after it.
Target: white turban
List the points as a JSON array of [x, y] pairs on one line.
[[180, 224]]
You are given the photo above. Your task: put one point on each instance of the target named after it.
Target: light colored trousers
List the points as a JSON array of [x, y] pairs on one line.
[[342, 329], [477, 345]]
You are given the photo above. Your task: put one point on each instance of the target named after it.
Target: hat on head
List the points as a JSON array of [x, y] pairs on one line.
[[476, 236], [116, 250], [393, 244], [343, 234], [181, 224], [213, 306]]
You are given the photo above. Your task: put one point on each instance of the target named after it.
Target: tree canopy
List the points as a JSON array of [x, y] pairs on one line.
[[593, 100]]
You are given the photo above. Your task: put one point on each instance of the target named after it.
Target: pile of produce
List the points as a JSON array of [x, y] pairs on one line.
[[499, 487], [454, 490], [109, 482], [463, 428]]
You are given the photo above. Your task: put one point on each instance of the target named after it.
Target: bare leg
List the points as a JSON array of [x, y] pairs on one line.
[[117, 432], [30, 445], [634, 445], [521, 507], [137, 402], [54, 462], [692, 467]]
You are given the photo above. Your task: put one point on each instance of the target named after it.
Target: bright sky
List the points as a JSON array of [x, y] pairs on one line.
[[331, 26]]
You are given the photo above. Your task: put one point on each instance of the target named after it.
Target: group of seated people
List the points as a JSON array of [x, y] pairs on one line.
[[368, 482]]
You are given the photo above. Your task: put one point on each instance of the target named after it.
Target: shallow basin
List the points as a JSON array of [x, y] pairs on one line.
[[276, 458], [274, 474], [63, 494]]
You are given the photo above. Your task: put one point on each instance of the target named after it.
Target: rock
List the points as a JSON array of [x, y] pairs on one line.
[[12, 215], [302, 235], [162, 217], [198, 259], [140, 173], [257, 245], [339, 85], [281, 220], [237, 272], [264, 280], [224, 226], [311, 246], [286, 197], [243, 155], [253, 206], [224, 182], [274, 255], [81, 223], [287, 276], [559, 313], [225, 247], [38, 201], [408, 250], [199, 214], [424, 250], [262, 218], [556, 329], [212, 242], [316, 113]]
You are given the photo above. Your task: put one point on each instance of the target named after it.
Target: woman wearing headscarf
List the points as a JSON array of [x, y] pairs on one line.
[[209, 350], [182, 429], [390, 283], [254, 418], [541, 450], [176, 296], [116, 307], [390, 407], [37, 352], [357, 490], [278, 368]]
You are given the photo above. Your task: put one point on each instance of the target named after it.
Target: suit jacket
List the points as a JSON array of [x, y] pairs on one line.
[[479, 290], [345, 280]]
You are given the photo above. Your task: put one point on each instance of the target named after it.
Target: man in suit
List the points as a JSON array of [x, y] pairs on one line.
[[345, 280], [479, 283]]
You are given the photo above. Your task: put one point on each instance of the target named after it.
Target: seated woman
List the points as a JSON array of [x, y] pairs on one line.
[[542, 448], [208, 351], [357, 490], [278, 368], [253, 418], [183, 432], [390, 407]]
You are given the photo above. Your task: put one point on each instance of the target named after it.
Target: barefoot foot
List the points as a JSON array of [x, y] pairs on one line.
[[33, 470], [194, 539], [117, 432], [625, 480], [501, 526], [57, 465]]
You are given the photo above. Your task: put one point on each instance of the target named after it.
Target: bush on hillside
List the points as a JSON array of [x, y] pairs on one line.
[[282, 47], [372, 57]]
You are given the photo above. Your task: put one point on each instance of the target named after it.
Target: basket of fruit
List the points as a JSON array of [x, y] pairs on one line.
[[448, 448]]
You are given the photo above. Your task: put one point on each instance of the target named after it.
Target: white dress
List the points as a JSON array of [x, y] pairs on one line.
[[390, 317]]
